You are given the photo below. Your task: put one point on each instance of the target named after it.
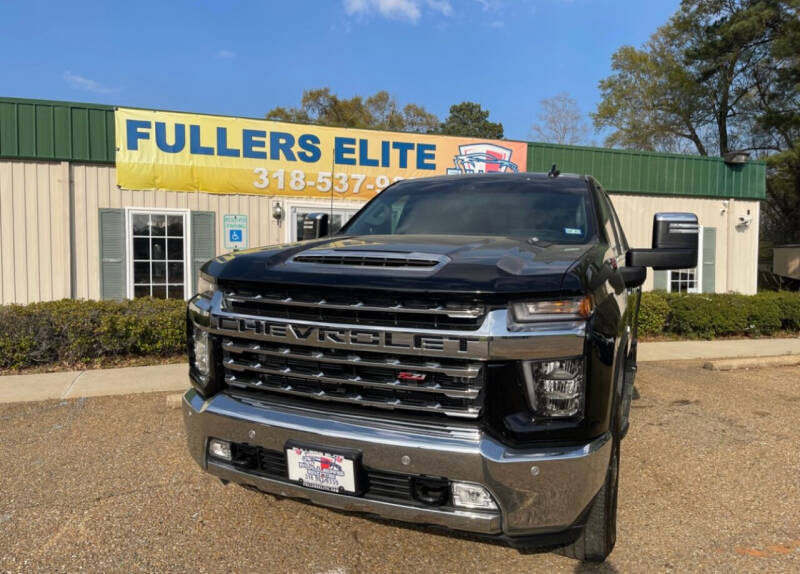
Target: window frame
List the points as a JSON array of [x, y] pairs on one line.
[[321, 205], [187, 247], [698, 269]]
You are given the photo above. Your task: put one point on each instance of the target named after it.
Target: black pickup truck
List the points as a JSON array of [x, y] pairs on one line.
[[460, 354]]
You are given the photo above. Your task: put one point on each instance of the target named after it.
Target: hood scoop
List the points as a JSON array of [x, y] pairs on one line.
[[372, 259]]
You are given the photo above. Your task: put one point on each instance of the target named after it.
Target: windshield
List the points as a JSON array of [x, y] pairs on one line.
[[511, 207]]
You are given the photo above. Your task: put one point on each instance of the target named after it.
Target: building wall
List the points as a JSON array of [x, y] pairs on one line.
[[34, 231], [736, 257], [95, 188], [43, 257]]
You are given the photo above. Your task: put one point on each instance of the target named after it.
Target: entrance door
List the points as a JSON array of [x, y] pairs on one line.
[[336, 217]]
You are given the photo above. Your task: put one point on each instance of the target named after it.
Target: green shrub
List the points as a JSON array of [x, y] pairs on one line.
[[653, 314], [707, 316], [719, 315], [788, 304], [764, 314], [71, 332]]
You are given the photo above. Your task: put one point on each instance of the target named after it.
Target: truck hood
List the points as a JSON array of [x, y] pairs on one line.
[[454, 264]]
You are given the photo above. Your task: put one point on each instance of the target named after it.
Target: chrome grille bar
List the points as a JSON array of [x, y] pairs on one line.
[[392, 380], [247, 366], [433, 406], [465, 313], [469, 371]]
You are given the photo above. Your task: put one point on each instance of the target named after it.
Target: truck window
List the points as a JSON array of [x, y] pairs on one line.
[[550, 211]]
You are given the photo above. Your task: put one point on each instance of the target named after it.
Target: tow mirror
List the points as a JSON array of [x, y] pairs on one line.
[[315, 225], [674, 243]]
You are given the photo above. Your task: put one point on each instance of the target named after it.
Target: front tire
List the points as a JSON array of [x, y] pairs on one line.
[[600, 532]]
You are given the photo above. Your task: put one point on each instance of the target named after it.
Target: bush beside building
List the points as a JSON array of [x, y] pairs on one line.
[[71, 333]]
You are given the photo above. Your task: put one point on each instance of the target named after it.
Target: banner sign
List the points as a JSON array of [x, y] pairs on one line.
[[219, 154]]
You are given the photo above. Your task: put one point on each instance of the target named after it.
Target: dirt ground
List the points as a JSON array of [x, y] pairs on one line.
[[709, 483]]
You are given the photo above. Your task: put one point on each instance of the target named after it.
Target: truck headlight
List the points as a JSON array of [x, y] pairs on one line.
[[551, 310], [204, 372], [202, 362], [206, 284], [556, 388]]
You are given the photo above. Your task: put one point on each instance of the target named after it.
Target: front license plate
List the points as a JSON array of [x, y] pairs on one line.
[[321, 470]]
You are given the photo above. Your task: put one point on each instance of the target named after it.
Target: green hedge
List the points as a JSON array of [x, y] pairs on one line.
[[72, 332], [719, 315]]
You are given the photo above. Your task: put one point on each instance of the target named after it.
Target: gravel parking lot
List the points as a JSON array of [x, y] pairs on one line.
[[709, 482]]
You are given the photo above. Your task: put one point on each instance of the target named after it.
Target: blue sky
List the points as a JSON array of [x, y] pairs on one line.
[[243, 58]]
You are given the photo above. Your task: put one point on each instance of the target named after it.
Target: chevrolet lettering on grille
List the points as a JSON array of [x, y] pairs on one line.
[[335, 337]]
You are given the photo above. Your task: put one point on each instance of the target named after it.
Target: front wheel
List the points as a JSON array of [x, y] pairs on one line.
[[600, 532]]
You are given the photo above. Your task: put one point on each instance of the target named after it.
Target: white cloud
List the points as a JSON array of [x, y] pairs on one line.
[[442, 6], [394, 9], [356, 6], [225, 54], [410, 10], [85, 84]]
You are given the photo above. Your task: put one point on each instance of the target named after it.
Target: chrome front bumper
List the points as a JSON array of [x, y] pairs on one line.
[[538, 491]]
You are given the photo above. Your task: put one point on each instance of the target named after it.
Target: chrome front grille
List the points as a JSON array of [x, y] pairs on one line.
[[354, 307], [396, 382]]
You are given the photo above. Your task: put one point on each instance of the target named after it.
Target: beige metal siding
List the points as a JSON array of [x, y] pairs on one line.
[[34, 231], [737, 245], [95, 188]]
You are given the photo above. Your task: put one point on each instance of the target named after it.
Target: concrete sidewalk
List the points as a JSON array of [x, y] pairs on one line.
[[94, 383], [174, 377], [723, 349]]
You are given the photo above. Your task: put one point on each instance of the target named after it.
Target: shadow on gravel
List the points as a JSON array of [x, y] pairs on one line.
[[605, 567]]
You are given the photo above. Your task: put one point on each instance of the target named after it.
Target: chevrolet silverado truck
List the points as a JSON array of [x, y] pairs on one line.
[[461, 354]]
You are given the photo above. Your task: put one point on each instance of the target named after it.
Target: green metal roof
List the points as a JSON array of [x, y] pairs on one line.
[[623, 171], [68, 131], [61, 131]]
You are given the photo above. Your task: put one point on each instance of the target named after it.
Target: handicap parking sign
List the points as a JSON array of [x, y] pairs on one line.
[[235, 231]]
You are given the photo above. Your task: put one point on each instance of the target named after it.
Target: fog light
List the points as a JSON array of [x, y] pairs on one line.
[[220, 449], [469, 495], [201, 362]]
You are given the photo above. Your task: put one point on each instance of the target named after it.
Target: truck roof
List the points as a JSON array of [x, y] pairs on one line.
[[520, 176]]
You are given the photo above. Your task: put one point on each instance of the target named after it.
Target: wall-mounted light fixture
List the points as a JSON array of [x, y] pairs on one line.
[[277, 211], [736, 156]]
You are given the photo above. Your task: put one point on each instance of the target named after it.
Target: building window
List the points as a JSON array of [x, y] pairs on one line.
[[683, 281], [157, 243], [337, 218], [688, 280]]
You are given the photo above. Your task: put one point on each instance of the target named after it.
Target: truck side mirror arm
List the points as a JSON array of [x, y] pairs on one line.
[[633, 276]]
